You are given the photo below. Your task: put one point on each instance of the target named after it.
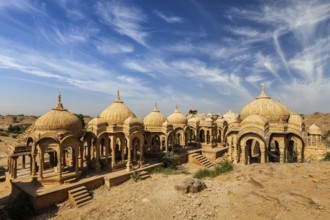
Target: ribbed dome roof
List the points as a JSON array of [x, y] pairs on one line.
[[193, 120], [265, 106], [154, 118], [255, 120], [117, 112], [133, 121], [295, 119], [230, 116], [98, 122], [58, 119], [177, 117], [313, 129], [220, 120]]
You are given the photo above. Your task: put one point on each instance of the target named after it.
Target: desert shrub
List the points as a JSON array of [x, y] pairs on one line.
[[3, 134], [202, 173], [170, 160], [135, 175], [327, 156], [168, 171], [18, 129], [14, 136], [223, 167], [17, 208]]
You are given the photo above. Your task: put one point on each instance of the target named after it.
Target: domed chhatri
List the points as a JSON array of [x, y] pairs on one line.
[[117, 112], [58, 119], [265, 131], [177, 117], [154, 118], [265, 106]]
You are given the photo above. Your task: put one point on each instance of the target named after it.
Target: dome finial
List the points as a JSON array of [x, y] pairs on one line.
[[263, 94], [59, 103], [177, 108], [118, 96], [155, 107]]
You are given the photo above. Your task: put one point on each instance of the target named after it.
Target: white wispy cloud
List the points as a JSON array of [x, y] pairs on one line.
[[21, 5], [112, 47], [126, 20], [65, 35], [168, 17]]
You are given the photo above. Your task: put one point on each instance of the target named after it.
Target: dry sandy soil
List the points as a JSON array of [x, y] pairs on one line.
[[261, 191]]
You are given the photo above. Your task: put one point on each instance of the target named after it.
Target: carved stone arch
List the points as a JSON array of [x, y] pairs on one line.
[[300, 146], [248, 143]]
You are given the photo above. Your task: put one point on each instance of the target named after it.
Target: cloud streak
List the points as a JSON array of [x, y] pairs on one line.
[[124, 19]]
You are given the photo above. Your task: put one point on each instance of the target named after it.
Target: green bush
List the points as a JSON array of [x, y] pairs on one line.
[[169, 170], [170, 160], [3, 134], [135, 175], [18, 129], [327, 156], [223, 167]]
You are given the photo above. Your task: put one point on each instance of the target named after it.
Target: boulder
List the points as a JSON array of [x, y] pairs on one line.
[[190, 185]]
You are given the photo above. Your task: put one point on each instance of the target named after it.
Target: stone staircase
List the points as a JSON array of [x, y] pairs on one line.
[[144, 175], [202, 160], [79, 196]]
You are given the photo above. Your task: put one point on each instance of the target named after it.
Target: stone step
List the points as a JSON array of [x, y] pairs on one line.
[[144, 175], [77, 189], [78, 193], [82, 195], [84, 203], [82, 200]]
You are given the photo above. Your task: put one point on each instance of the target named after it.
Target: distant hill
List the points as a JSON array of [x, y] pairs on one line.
[[322, 120]]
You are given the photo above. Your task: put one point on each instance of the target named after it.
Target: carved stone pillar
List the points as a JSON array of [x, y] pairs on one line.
[[129, 162], [14, 168], [41, 165], [113, 152], [97, 157], [23, 161]]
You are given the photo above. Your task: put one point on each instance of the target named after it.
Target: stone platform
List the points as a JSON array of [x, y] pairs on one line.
[[48, 195]]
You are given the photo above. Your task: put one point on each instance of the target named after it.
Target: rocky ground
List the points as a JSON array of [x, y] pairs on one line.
[[261, 191]]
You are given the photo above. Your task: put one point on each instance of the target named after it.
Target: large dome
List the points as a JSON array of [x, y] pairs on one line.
[[58, 119], [154, 118], [177, 117], [265, 106], [117, 112]]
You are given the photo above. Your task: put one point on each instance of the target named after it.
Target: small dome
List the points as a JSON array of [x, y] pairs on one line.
[[117, 112], [133, 121], [265, 106], [295, 119], [98, 122], [177, 117], [154, 118], [313, 129], [230, 116], [220, 120], [166, 123], [193, 120], [58, 119], [255, 120], [209, 120]]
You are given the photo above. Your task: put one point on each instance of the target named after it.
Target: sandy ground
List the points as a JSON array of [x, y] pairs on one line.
[[261, 191]]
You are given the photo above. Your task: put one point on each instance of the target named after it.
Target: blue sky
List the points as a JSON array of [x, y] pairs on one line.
[[206, 55]]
